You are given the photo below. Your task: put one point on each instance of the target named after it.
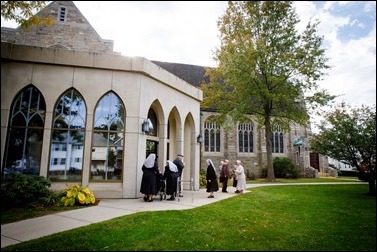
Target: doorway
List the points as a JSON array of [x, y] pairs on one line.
[[152, 147]]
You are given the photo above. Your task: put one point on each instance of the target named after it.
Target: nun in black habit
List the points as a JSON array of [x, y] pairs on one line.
[[212, 184], [148, 181], [171, 175]]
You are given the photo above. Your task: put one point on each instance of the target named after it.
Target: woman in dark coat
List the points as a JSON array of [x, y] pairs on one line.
[[148, 181], [171, 175], [211, 177]]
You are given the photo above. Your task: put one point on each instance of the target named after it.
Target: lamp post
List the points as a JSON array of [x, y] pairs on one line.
[[199, 139], [299, 142], [147, 126]]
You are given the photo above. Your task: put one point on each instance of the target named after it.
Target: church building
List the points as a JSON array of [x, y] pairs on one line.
[[77, 112]]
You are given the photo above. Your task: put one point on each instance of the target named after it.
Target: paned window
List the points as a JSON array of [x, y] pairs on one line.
[[68, 132], [212, 141], [108, 139], [245, 138], [25, 132]]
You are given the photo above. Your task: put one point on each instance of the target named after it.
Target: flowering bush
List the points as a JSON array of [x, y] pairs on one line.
[[77, 195]]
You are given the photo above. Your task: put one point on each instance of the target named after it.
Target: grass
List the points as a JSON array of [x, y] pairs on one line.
[[17, 214], [307, 180], [283, 218]]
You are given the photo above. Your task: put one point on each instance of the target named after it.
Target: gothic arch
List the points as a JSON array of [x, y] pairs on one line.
[[67, 137], [24, 140], [107, 150]]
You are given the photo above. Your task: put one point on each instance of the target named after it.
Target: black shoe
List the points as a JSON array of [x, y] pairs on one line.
[[171, 198], [150, 200], [145, 199], [225, 191], [180, 195], [211, 196], [237, 191]]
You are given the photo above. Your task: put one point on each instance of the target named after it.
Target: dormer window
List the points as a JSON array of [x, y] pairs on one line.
[[62, 14]]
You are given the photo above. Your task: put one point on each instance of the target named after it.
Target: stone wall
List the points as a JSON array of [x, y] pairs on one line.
[[75, 33]]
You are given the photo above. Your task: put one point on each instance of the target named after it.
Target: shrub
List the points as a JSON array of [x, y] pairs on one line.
[[345, 173], [203, 181], [250, 175], [294, 172], [264, 172], [77, 195], [363, 176], [22, 190], [284, 167]]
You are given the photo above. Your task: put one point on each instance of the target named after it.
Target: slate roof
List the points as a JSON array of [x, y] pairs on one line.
[[192, 74]]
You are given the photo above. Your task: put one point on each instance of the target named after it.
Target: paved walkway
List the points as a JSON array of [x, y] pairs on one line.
[[107, 209]]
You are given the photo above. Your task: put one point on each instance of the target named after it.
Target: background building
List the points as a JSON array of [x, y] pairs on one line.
[[245, 141]]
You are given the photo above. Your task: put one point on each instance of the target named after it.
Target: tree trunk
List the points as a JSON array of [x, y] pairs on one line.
[[372, 182], [372, 186], [270, 167]]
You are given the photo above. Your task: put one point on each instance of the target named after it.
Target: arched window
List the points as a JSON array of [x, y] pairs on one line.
[[108, 139], [67, 143], [153, 117], [245, 137], [152, 144], [212, 140], [277, 140], [25, 132]]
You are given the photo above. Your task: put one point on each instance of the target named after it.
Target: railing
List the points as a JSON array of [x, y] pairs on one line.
[[179, 186]]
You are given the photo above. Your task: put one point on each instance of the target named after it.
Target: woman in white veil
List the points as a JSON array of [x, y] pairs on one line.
[[211, 177], [171, 175], [148, 181]]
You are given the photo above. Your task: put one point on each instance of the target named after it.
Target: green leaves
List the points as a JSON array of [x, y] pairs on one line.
[[347, 134], [264, 63], [265, 66], [22, 12], [77, 195]]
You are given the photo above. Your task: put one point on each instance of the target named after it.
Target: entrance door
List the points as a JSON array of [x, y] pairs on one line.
[[314, 160], [152, 147]]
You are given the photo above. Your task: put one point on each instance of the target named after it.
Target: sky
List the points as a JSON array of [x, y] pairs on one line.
[[187, 32]]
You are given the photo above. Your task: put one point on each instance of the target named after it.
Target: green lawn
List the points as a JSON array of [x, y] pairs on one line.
[[17, 214], [307, 180], [277, 218]]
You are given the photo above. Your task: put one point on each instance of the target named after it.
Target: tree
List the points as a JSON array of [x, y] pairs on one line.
[[350, 137], [22, 12], [264, 67]]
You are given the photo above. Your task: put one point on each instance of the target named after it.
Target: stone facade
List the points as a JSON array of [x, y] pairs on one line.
[[253, 162], [73, 33]]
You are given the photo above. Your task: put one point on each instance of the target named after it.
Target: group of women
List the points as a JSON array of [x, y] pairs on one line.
[[238, 174], [149, 183], [171, 174]]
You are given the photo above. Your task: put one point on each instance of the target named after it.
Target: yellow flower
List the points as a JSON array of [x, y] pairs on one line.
[[69, 194], [81, 198], [86, 190]]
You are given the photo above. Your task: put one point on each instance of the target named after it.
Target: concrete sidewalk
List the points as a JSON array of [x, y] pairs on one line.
[[107, 209]]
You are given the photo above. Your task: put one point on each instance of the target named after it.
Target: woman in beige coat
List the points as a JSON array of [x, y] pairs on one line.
[[241, 177]]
